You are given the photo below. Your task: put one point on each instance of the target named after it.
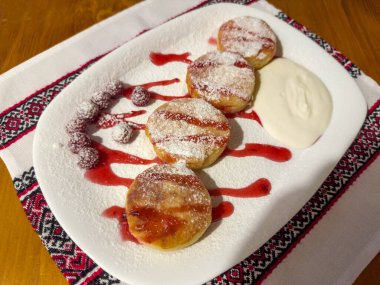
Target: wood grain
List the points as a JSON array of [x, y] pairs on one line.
[[351, 26]]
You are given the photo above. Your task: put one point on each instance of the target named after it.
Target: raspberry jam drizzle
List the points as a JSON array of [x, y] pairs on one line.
[[224, 126], [155, 224], [159, 59], [154, 95], [274, 153], [223, 210], [245, 115], [107, 120], [119, 213], [102, 174], [259, 188], [212, 41], [160, 83]]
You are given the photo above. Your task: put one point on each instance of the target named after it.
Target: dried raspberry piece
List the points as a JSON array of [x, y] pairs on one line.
[[88, 111], [140, 96], [122, 133], [114, 89], [88, 157], [76, 125], [102, 99], [78, 141]]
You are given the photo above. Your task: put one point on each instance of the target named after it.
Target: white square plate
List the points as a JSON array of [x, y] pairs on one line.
[[77, 203]]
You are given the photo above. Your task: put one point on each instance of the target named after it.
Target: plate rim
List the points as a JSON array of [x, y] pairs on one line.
[[134, 42]]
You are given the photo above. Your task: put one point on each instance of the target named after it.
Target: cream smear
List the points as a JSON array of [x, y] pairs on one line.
[[293, 104]]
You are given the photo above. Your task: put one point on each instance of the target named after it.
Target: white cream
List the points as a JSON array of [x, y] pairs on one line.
[[293, 104]]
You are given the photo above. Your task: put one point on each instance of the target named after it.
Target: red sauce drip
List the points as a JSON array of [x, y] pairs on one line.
[[152, 220], [223, 210], [242, 114], [119, 213], [128, 91], [194, 121], [160, 83], [107, 120], [155, 224], [212, 41], [267, 42], [102, 174], [158, 58], [157, 96], [241, 64], [275, 153], [259, 188]]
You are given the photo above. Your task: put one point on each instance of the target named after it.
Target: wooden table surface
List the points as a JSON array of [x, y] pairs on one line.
[[26, 29]]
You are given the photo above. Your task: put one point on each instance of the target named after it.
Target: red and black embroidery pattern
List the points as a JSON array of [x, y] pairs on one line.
[[20, 119], [70, 259]]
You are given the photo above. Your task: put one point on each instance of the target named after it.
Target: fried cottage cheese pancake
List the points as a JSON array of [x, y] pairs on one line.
[[224, 79], [168, 207], [188, 129], [251, 37]]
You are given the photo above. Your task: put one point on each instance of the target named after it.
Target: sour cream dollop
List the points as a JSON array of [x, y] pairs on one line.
[[293, 104]]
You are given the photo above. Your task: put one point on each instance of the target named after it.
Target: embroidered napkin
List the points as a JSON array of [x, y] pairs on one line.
[[335, 251]]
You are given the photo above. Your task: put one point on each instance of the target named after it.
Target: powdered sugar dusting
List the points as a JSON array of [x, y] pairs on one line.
[[114, 88], [175, 190], [199, 149], [140, 96], [77, 141], [76, 125], [122, 133], [175, 168], [247, 36], [187, 185], [88, 110], [88, 157], [189, 129], [222, 74], [160, 128], [102, 99], [197, 108]]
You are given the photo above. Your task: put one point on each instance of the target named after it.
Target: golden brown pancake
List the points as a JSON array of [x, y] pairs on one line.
[[188, 129], [168, 207], [251, 37], [224, 79]]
